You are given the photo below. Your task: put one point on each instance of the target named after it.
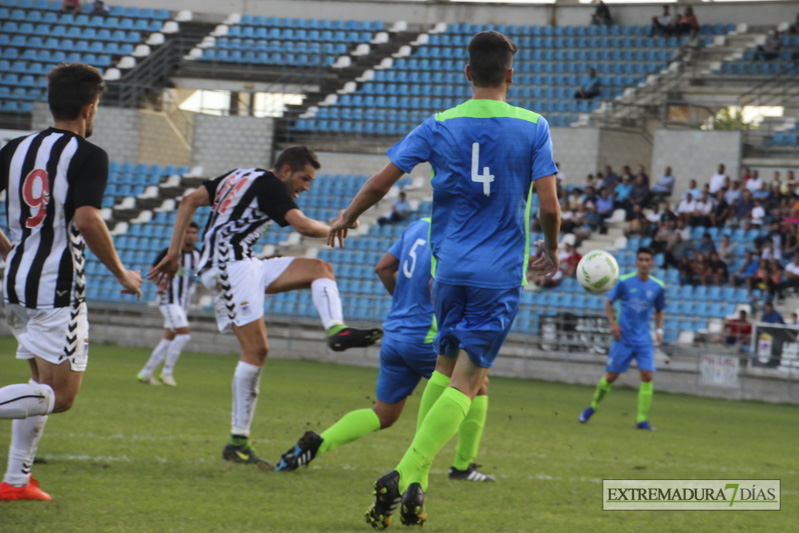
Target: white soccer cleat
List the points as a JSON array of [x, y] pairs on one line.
[[147, 379], [169, 379]]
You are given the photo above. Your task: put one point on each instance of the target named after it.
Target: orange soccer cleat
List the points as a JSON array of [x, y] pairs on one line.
[[31, 491]]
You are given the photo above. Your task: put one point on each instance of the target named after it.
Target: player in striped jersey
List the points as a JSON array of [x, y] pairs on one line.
[[244, 202], [55, 181], [173, 302]]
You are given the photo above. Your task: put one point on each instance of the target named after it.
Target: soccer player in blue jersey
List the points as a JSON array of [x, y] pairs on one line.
[[406, 355], [639, 293], [485, 156]]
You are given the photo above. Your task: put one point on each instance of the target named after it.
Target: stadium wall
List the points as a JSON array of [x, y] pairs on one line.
[[521, 357], [222, 143], [695, 154], [753, 12], [160, 143], [366, 164], [116, 130], [619, 148]]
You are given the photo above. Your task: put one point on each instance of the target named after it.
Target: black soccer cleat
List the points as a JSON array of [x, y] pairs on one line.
[[353, 338], [244, 454], [412, 511], [387, 499], [470, 474], [301, 454]]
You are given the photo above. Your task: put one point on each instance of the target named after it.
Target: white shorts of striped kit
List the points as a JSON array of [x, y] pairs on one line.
[[56, 335], [239, 288], [174, 317]]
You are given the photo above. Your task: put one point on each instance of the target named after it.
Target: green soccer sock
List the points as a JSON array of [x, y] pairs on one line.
[[440, 424], [470, 433], [436, 385], [349, 427], [602, 388], [645, 392]]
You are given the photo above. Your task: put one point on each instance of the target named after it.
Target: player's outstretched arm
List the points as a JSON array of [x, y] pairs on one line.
[[167, 267], [615, 329], [92, 226], [5, 245], [307, 226], [386, 269], [549, 216], [372, 192]]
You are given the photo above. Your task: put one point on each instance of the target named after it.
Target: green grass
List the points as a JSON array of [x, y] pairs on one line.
[[129, 457]]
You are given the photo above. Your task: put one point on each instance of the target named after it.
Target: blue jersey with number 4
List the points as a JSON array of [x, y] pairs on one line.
[[638, 299], [411, 316], [485, 156]]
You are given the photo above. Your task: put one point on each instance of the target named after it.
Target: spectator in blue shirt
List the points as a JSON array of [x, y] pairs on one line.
[[665, 184], [622, 195], [589, 86], [693, 189], [770, 315], [747, 270], [400, 209], [706, 245], [604, 204], [610, 179]]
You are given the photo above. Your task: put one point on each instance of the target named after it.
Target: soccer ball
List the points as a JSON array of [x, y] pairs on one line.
[[597, 271]]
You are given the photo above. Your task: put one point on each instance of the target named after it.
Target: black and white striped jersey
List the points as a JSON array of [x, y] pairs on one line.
[[244, 201], [48, 175], [177, 292]]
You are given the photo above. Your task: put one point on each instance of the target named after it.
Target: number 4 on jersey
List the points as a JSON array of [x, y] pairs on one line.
[[486, 177]]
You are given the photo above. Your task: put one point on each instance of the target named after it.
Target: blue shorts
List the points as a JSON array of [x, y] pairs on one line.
[[402, 365], [473, 319], [621, 355]]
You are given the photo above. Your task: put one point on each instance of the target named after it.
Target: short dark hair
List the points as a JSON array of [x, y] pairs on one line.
[[644, 250], [297, 157], [194, 225], [72, 86], [490, 57]]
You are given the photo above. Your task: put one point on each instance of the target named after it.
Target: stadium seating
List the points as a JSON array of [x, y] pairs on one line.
[[548, 69], [35, 36], [748, 65]]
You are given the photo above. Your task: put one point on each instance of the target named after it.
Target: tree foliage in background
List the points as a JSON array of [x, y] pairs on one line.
[[731, 118]]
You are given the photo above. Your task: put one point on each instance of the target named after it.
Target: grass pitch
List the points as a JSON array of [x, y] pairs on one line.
[[130, 457]]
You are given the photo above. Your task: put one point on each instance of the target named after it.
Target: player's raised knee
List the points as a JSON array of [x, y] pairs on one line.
[[323, 269]]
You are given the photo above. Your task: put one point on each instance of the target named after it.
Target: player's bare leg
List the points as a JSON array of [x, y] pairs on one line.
[[318, 275], [254, 350]]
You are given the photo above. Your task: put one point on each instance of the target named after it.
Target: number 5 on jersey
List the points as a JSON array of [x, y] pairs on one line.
[[485, 178], [409, 265]]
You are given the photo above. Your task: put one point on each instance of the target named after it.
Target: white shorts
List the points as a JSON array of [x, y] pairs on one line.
[[55, 335], [174, 316], [239, 288]]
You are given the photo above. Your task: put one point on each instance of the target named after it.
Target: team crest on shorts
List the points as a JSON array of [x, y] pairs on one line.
[[245, 308]]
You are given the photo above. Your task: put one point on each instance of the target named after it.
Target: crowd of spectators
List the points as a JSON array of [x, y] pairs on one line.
[[771, 208]]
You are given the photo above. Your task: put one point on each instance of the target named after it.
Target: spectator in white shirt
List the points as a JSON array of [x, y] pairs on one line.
[[719, 180], [686, 208], [758, 214], [755, 182], [703, 207], [663, 24]]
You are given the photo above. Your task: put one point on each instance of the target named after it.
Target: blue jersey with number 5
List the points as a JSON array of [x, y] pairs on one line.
[[485, 155], [411, 316]]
